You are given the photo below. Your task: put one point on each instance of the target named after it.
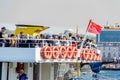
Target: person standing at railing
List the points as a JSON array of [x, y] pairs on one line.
[[37, 41], [64, 41], [42, 42], [22, 40], [12, 40], [80, 39], [48, 41], [2, 35], [56, 42], [74, 43]]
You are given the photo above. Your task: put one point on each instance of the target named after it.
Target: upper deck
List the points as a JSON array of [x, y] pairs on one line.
[[31, 50]]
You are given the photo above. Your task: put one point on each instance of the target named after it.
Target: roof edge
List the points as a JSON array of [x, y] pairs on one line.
[[23, 25]]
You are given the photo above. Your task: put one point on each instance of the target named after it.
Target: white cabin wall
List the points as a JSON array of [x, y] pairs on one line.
[[30, 71], [52, 71], [26, 68], [46, 71], [4, 71], [12, 71]]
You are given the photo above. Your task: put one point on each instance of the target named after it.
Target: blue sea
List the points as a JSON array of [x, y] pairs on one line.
[[103, 75], [111, 74]]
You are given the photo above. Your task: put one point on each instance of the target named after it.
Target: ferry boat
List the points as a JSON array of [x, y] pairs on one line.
[[45, 62]]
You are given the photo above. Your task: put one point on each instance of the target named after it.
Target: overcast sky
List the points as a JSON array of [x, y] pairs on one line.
[[59, 14]]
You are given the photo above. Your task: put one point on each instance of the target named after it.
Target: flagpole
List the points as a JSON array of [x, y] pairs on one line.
[[85, 35], [76, 29], [78, 64]]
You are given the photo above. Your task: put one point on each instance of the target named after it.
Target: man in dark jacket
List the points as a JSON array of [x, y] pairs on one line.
[[2, 35], [22, 75]]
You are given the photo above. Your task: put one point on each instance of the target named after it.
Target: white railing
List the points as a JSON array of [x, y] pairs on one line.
[[32, 43]]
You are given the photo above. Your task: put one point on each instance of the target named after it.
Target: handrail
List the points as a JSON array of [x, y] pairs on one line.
[[51, 42], [35, 39], [54, 42]]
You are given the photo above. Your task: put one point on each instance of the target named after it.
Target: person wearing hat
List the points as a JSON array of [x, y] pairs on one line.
[[2, 35]]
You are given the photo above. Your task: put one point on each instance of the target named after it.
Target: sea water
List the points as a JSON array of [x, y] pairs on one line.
[[111, 74], [103, 75]]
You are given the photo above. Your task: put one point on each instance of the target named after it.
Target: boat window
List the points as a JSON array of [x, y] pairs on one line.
[[104, 55], [103, 48], [109, 55]]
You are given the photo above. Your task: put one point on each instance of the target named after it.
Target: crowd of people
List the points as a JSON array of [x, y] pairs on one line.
[[40, 40]]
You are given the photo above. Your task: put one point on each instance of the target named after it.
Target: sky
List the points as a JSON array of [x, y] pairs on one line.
[[59, 14]]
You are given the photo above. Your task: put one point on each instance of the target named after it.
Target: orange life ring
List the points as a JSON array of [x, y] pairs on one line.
[[95, 58], [81, 53], [94, 51], [90, 56], [91, 51], [46, 52], [86, 51], [99, 57], [55, 52], [62, 51], [75, 53], [82, 50], [42, 51], [69, 52], [85, 56]]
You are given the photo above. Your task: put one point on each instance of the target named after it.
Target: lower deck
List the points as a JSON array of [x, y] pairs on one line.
[[34, 71], [35, 66]]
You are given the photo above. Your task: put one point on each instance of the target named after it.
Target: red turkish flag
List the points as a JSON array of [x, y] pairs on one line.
[[94, 28]]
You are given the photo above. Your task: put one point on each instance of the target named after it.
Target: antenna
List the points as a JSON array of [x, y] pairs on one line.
[[107, 23]]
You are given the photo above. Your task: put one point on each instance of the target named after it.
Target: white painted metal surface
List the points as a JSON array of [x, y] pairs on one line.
[[4, 71], [27, 55], [17, 54]]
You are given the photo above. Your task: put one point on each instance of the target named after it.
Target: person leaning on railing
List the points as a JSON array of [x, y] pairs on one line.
[[43, 40], [37, 41], [2, 35], [12, 40], [64, 42]]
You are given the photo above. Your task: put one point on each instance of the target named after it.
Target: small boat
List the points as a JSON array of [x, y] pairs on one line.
[[115, 69], [110, 67]]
